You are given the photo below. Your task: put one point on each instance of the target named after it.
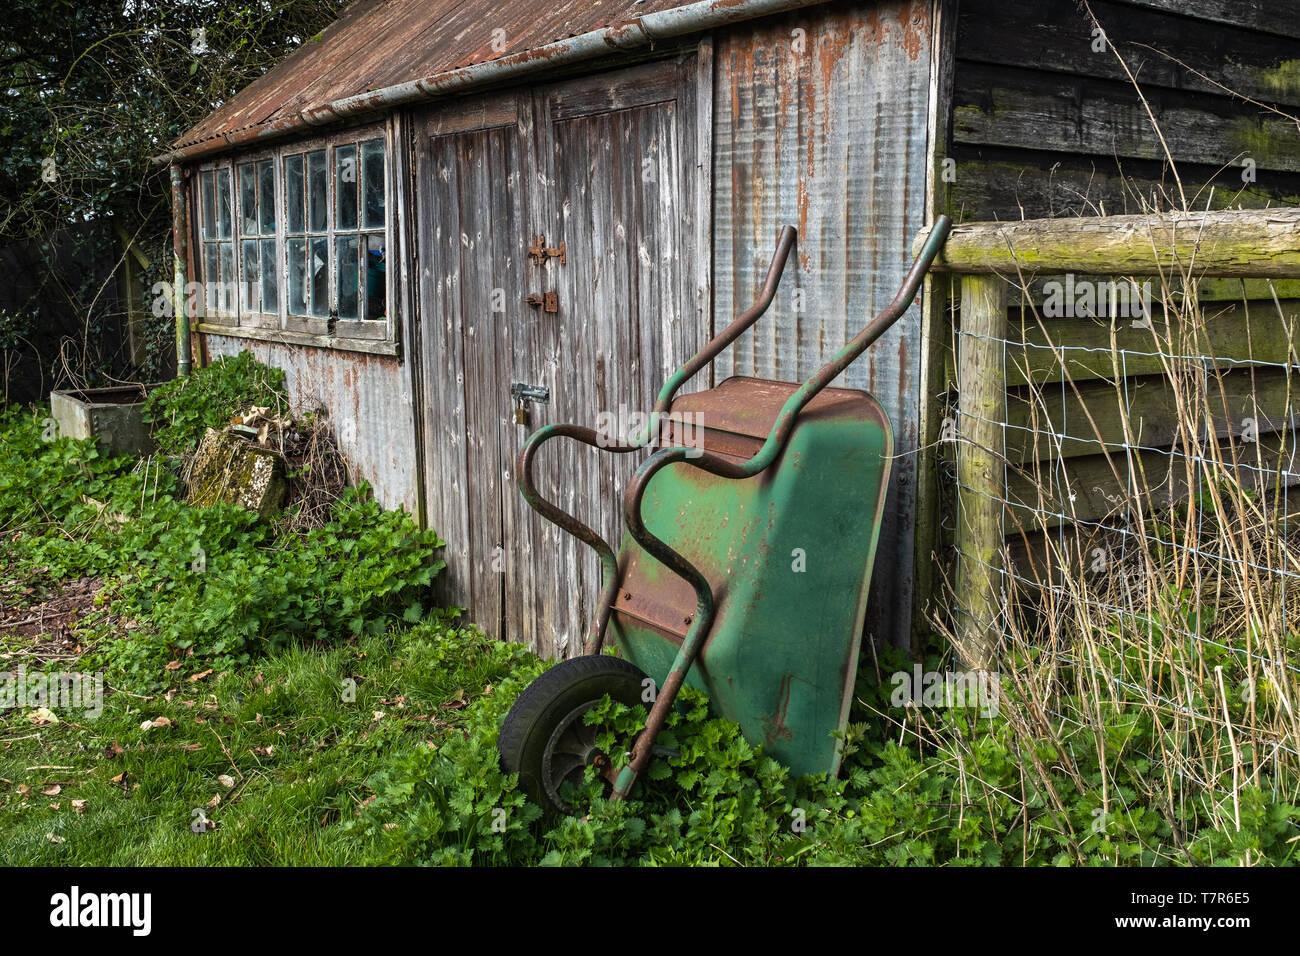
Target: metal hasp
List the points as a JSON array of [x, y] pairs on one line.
[[751, 533], [530, 393]]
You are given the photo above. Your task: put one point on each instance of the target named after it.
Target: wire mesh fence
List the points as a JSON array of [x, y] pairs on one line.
[[1143, 553]]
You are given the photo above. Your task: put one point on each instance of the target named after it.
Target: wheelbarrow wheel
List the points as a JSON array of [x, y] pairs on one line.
[[544, 738]]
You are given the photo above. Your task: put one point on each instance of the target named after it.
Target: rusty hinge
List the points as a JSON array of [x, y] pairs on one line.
[[538, 252]]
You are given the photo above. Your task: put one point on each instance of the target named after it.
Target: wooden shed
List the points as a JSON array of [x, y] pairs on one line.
[[433, 201]]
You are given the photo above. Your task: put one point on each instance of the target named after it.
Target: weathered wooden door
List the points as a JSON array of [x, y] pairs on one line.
[[604, 168]]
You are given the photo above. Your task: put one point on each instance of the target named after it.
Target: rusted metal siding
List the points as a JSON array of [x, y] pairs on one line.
[[820, 121], [380, 43], [368, 398]]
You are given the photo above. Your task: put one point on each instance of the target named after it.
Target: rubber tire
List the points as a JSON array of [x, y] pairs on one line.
[[547, 701]]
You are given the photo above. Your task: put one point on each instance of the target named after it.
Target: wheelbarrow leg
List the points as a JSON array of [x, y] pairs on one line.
[[702, 621], [643, 749]]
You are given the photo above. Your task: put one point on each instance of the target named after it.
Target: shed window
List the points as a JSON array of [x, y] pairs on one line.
[[305, 230], [259, 286], [335, 236], [217, 241]]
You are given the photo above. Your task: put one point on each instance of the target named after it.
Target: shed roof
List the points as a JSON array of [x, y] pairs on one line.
[[379, 45]]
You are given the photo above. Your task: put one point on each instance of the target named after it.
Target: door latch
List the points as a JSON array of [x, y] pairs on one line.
[[525, 395], [539, 252], [548, 302]]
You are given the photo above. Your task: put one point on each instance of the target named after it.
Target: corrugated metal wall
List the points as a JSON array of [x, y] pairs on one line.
[[367, 396], [820, 121]]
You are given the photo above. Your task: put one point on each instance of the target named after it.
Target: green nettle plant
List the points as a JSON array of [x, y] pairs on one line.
[[213, 586], [180, 411], [190, 591]]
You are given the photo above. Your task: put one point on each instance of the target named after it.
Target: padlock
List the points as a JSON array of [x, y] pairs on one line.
[[521, 413]]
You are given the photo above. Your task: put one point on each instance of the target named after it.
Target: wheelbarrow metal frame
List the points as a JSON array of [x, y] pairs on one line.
[[769, 452]]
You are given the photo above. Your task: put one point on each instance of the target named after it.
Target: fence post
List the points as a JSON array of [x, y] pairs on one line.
[[981, 412]]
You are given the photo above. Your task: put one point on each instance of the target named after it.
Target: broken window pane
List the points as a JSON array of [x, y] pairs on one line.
[[293, 191], [376, 278], [211, 276], [296, 253], [226, 255], [248, 199], [270, 283], [372, 177], [347, 252], [223, 203], [345, 187], [266, 197], [317, 191], [250, 281], [319, 267]]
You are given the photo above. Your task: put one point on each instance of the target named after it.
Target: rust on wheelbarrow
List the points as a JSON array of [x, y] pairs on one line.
[[751, 537]]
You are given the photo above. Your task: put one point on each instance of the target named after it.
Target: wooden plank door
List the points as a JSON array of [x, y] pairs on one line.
[[617, 155], [606, 166], [473, 200]]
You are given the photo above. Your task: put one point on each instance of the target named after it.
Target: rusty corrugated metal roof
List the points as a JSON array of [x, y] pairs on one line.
[[381, 43]]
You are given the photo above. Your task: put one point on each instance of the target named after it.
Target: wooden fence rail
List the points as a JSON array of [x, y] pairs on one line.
[[1257, 243]]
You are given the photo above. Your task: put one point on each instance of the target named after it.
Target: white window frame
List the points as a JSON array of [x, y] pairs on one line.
[[280, 325]]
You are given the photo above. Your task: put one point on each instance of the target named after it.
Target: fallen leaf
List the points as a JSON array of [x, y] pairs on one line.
[[42, 717], [79, 806], [226, 780], [53, 791], [23, 790], [199, 676], [173, 666], [266, 751], [214, 801], [54, 806], [159, 722], [379, 715], [55, 839], [118, 778]]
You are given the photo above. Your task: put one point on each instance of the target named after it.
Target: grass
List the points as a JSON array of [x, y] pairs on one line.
[[294, 753]]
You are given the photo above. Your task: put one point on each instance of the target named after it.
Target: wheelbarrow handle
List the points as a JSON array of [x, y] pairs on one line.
[[775, 269], [702, 620], [556, 515]]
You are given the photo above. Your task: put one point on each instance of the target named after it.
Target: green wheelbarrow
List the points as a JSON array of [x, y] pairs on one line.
[[750, 537]]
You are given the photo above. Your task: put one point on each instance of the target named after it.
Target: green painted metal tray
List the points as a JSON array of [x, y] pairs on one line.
[[787, 552]]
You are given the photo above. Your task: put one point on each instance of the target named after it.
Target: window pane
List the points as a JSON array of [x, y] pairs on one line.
[[270, 281], [347, 277], [247, 200], [372, 178], [211, 276], [223, 203], [296, 253], [320, 274], [376, 278], [345, 187], [317, 191], [266, 197], [250, 282], [209, 213], [294, 194], [226, 253]]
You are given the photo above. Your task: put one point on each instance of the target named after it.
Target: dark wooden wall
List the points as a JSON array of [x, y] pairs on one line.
[[1042, 124]]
